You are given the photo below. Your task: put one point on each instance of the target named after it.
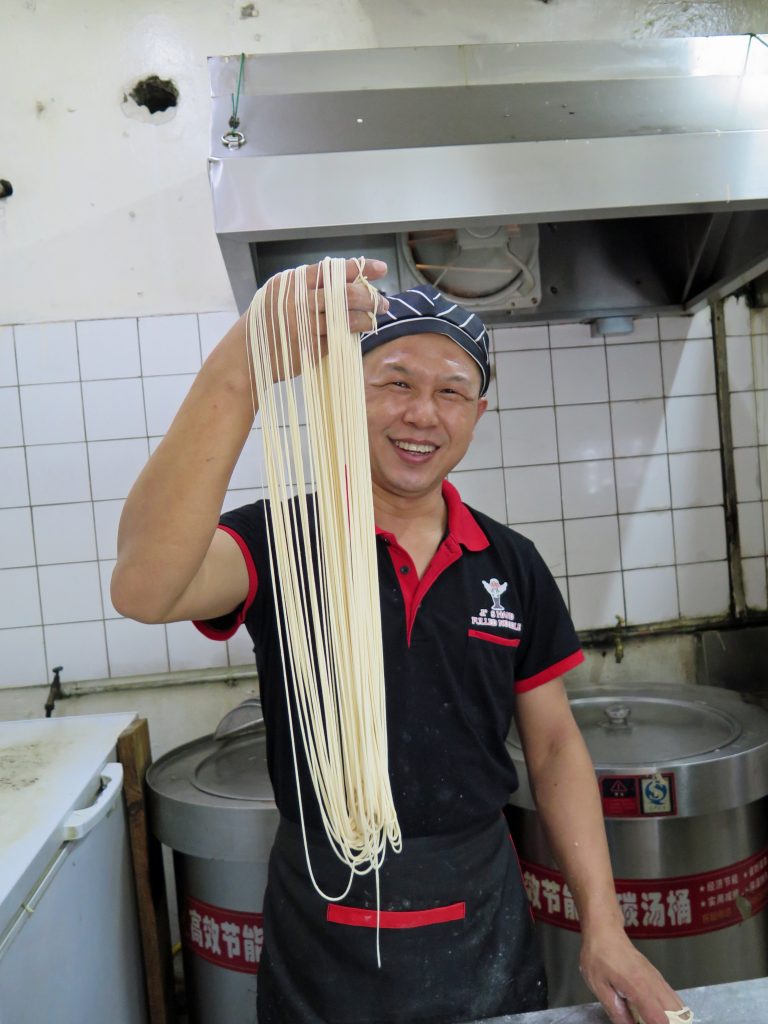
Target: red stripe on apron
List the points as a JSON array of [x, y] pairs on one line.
[[359, 917]]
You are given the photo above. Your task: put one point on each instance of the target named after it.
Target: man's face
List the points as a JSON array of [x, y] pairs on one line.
[[422, 399]]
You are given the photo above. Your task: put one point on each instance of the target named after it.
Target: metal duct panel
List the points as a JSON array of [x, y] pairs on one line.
[[360, 145]]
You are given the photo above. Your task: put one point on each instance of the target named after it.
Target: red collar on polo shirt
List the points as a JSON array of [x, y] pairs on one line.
[[463, 531]]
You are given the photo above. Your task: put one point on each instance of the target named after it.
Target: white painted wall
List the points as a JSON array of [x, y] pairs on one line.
[[111, 216]]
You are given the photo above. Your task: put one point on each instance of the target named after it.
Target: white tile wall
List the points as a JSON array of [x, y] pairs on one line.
[[747, 345], [213, 327], [588, 488], [579, 375], [605, 452], [592, 545], [646, 540], [642, 484], [64, 533], [70, 592], [481, 488], [651, 594], [169, 344], [135, 648], [634, 371], [14, 489], [115, 465], [19, 597], [10, 417], [524, 379], [162, 398], [22, 654], [81, 647], [583, 432], [114, 409], [696, 479], [528, 437], [8, 374], [485, 450], [689, 367], [58, 473], [78, 403], [46, 353], [639, 428], [533, 493], [108, 348], [16, 544], [692, 423]]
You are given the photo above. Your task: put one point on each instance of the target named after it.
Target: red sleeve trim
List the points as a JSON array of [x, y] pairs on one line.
[[358, 917], [204, 626], [493, 638], [558, 669]]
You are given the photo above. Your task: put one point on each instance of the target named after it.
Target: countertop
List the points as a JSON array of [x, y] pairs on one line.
[[739, 1002]]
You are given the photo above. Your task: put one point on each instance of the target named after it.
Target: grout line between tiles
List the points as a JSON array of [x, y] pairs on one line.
[[29, 491], [616, 492], [566, 573]]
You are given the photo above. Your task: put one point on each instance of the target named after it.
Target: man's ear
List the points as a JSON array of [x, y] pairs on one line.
[[482, 405]]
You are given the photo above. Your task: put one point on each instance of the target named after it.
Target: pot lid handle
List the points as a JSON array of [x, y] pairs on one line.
[[618, 716], [240, 720]]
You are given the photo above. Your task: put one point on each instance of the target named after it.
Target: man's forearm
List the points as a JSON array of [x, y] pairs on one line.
[[172, 510], [569, 808]]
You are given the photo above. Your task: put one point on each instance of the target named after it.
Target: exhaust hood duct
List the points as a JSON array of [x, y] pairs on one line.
[[484, 268], [540, 181]]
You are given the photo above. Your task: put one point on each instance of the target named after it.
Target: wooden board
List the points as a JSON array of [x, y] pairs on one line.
[[133, 750]]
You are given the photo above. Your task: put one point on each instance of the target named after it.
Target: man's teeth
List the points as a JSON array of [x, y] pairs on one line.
[[419, 449]]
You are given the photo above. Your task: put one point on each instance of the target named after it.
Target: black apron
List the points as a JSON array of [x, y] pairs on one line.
[[456, 935]]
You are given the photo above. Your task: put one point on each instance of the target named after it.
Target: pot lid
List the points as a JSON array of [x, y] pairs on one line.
[[212, 798], [712, 742], [631, 729], [237, 768]]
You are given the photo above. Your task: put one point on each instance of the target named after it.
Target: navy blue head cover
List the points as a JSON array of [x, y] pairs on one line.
[[424, 310]]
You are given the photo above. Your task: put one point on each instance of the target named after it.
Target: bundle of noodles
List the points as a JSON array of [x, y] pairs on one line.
[[323, 562]]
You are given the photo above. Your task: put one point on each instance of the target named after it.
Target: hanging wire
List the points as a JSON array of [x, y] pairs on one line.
[[234, 139]]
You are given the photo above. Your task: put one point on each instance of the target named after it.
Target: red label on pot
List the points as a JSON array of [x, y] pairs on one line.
[[227, 938], [656, 908]]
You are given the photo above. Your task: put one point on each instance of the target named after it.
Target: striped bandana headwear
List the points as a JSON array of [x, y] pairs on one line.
[[424, 310]]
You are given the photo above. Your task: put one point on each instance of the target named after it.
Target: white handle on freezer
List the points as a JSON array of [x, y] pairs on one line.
[[80, 823]]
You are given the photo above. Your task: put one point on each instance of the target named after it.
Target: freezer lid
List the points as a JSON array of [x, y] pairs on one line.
[[49, 767]]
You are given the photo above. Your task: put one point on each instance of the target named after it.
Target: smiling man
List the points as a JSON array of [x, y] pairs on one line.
[[474, 632]]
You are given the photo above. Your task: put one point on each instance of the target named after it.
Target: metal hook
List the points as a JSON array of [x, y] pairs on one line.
[[233, 139]]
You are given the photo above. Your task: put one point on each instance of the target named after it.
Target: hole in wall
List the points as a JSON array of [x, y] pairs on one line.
[[151, 99]]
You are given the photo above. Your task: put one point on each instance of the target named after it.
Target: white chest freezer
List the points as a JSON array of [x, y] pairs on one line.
[[69, 934]]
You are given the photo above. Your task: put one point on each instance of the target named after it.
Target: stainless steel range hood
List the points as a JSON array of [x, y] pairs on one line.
[[619, 179]]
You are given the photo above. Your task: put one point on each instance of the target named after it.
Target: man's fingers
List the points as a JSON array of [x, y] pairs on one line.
[[359, 322], [372, 270], [359, 299]]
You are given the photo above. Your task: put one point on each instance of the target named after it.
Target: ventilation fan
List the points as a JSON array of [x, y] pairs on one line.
[[492, 267]]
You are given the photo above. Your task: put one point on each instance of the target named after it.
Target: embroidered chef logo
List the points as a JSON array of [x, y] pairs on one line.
[[495, 589], [496, 616]]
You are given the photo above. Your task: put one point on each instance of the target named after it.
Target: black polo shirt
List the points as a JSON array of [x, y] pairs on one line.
[[485, 622]]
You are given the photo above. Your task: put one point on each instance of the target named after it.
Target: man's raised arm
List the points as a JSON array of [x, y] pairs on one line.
[[172, 562]]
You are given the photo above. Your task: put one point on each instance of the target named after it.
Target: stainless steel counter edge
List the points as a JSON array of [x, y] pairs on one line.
[[739, 1002]]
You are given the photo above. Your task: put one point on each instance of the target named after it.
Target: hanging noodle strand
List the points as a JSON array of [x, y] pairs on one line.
[[323, 564]]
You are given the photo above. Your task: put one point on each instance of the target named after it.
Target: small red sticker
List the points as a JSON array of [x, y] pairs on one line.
[[638, 796]]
